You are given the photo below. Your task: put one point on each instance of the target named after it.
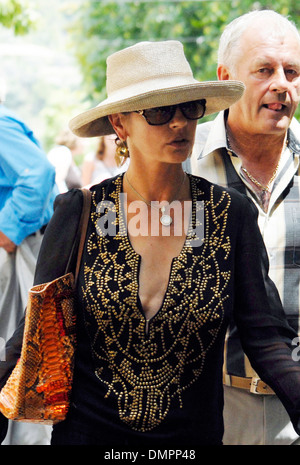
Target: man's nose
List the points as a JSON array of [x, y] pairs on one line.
[[279, 82]]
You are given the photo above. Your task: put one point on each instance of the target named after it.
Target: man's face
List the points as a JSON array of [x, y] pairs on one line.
[[269, 66]]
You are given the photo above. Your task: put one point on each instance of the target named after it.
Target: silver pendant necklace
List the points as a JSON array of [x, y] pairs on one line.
[[165, 219]]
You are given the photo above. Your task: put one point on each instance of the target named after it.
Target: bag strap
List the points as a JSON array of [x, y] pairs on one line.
[[84, 220], [81, 233]]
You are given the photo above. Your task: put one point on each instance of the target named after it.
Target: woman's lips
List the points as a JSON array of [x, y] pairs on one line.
[[179, 142]]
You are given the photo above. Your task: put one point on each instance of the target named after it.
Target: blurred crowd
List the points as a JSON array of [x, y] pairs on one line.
[[76, 167]]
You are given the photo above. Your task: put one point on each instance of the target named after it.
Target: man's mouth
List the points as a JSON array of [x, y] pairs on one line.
[[275, 106]]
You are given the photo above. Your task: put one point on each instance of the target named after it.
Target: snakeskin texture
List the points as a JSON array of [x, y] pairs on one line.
[[38, 388]]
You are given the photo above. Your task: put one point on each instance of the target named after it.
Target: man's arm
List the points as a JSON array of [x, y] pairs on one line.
[[28, 180], [6, 243]]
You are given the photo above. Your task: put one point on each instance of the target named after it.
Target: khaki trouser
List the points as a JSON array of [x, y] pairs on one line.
[[253, 419]]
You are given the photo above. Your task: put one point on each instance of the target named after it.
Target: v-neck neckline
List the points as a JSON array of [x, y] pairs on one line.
[[184, 249]]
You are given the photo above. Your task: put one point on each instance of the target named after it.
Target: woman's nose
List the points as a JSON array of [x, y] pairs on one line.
[[178, 119]]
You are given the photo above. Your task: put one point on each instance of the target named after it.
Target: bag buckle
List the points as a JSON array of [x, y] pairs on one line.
[[254, 385]]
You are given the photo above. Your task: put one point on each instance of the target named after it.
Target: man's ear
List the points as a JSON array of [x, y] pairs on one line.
[[223, 73]]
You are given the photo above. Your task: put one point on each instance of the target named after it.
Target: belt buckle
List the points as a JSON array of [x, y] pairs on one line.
[[254, 385]]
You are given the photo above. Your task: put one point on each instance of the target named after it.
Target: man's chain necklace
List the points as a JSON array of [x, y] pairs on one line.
[[255, 181]]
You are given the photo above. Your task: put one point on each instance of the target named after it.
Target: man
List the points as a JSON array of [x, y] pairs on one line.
[[254, 147], [27, 192]]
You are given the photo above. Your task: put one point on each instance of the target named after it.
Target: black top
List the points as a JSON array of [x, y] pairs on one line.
[[163, 386]]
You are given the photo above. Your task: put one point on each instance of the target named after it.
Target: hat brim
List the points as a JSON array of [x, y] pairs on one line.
[[219, 95]]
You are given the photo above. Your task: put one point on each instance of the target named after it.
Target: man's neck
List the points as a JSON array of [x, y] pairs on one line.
[[259, 153]]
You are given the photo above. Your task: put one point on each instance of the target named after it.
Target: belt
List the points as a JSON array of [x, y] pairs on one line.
[[253, 385], [42, 230]]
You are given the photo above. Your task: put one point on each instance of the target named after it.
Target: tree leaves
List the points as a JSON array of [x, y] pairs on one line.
[[17, 14], [103, 27]]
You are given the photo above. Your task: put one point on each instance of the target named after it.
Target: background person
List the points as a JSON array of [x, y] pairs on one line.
[[101, 164], [62, 157], [254, 147], [27, 192]]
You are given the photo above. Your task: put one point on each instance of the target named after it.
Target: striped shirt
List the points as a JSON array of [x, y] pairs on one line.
[[279, 225]]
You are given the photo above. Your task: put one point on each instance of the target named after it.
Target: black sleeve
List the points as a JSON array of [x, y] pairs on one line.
[[266, 336], [52, 261], [59, 237]]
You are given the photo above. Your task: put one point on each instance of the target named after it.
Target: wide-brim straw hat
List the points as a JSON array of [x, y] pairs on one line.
[[148, 75]]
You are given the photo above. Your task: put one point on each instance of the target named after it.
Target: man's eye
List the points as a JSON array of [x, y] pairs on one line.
[[292, 72], [263, 73]]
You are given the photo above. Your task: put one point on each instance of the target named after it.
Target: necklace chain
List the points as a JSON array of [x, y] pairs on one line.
[[166, 220], [259, 184], [252, 178]]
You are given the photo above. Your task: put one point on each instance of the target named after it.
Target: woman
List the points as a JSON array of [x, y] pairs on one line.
[[168, 259], [62, 156]]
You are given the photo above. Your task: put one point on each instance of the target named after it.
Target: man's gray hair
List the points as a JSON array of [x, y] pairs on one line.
[[229, 49]]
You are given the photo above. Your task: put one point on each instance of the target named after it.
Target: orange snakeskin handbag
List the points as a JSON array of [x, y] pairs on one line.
[[39, 386]]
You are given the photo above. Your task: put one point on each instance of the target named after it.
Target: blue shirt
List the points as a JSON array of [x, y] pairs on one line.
[[27, 180]]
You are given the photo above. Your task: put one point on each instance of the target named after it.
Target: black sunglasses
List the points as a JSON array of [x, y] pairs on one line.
[[162, 115]]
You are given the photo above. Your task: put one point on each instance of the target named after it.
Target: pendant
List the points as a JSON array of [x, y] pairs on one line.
[[265, 199], [165, 220]]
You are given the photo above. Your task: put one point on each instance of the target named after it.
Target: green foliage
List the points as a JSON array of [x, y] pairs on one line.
[[18, 15], [47, 89], [103, 27], [43, 82]]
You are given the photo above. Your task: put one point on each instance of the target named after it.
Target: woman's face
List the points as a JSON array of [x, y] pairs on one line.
[[169, 143]]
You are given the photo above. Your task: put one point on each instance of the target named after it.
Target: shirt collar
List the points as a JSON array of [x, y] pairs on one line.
[[294, 137], [217, 135]]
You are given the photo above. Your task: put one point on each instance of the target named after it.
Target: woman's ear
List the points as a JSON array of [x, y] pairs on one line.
[[117, 122]]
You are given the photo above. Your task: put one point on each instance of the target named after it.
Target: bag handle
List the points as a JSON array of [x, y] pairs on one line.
[[82, 228], [84, 220]]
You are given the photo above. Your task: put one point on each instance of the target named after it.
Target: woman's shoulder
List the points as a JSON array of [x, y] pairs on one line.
[[71, 202], [71, 199], [107, 186]]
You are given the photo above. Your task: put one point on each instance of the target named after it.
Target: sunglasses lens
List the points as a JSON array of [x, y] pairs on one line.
[[159, 115], [162, 115], [193, 110]]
